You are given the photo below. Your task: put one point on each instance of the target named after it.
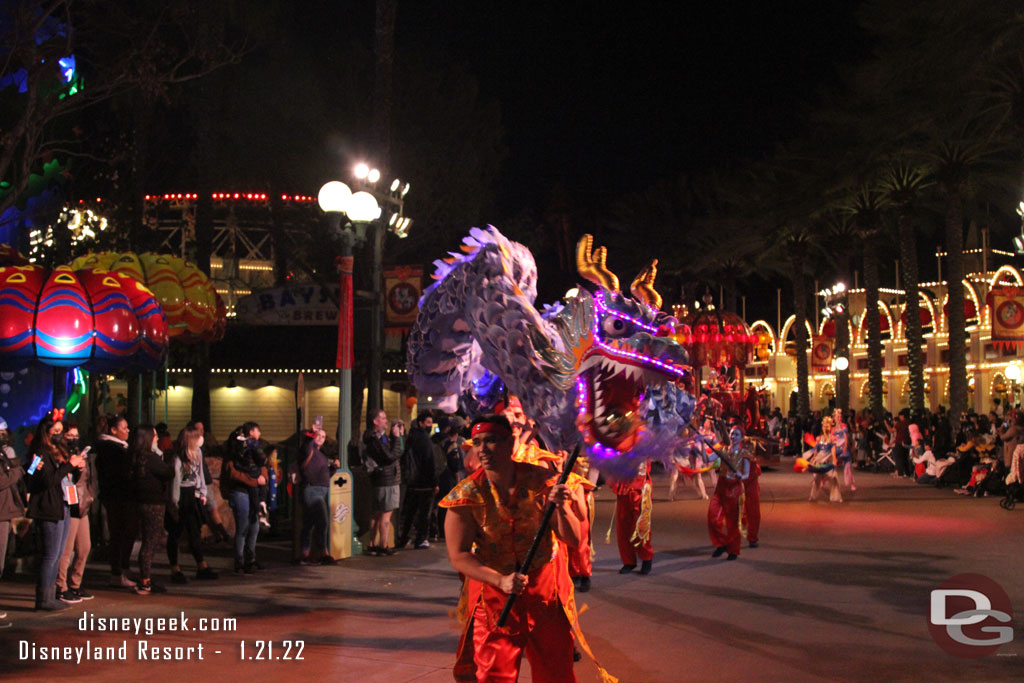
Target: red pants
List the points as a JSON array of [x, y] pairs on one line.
[[548, 646], [627, 512], [752, 507], [724, 515], [580, 561]]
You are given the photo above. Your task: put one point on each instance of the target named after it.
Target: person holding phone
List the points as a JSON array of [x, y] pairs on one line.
[[79, 542], [382, 452], [51, 484]]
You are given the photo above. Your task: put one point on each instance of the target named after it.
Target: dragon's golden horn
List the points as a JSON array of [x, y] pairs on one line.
[[643, 286], [591, 264]]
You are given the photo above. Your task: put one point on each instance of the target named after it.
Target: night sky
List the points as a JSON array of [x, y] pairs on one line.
[[606, 98]]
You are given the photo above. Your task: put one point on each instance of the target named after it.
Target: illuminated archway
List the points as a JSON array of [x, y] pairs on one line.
[[789, 324], [764, 332], [971, 295], [862, 327], [925, 304]]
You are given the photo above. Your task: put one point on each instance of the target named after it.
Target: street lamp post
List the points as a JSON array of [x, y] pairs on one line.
[[360, 210], [337, 200], [392, 202]]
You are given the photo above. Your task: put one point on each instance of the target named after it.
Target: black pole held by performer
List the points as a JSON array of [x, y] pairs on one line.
[[545, 521]]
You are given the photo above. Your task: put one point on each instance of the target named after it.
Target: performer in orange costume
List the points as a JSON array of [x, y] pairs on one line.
[[493, 516], [633, 504], [724, 510], [528, 449]]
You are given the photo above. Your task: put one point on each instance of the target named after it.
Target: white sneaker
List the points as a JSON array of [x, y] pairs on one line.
[[423, 544]]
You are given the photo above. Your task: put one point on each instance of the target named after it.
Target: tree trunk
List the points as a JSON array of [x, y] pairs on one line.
[[956, 322], [874, 329], [800, 308], [912, 332]]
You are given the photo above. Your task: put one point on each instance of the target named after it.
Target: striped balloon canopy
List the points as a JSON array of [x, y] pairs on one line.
[[94, 318], [195, 312]]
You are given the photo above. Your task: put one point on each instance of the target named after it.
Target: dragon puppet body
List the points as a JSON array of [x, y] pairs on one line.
[[582, 368]]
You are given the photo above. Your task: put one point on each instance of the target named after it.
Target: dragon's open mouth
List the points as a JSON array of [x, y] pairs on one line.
[[615, 391]]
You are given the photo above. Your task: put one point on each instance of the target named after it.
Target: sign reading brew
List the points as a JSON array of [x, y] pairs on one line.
[[298, 305]]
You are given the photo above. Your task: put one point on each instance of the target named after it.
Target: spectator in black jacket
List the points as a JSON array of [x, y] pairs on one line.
[[151, 477], [420, 481], [53, 471], [113, 471], [241, 476], [381, 455]]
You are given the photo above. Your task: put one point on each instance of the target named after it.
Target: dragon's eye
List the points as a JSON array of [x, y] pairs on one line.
[[614, 327]]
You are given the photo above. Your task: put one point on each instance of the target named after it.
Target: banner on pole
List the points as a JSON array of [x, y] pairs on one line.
[[821, 353], [403, 286], [1006, 309]]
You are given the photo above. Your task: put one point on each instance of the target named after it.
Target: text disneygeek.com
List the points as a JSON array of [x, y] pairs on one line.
[[143, 650]]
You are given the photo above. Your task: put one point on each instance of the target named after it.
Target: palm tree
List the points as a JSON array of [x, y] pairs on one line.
[[865, 207], [903, 184]]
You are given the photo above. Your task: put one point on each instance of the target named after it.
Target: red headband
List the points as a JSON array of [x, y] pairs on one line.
[[485, 427]]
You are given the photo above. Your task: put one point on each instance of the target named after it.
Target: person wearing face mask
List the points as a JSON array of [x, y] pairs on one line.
[[188, 496], [51, 492], [113, 471], [79, 543], [11, 507], [151, 477]]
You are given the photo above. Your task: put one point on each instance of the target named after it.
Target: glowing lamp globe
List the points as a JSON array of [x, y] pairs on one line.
[[334, 197], [1013, 372], [363, 208], [842, 363]]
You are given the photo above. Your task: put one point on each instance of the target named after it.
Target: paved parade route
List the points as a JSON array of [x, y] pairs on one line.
[[836, 592]]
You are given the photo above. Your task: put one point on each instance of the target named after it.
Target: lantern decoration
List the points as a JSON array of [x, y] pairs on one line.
[[90, 318], [718, 339], [193, 308]]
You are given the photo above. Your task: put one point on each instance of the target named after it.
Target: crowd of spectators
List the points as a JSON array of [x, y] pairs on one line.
[[133, 490], [981, 457]]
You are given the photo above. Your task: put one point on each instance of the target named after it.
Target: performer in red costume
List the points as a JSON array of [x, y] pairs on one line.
[[752, 501], [493, 516], [724, 510], [633, 506], [581, 558]]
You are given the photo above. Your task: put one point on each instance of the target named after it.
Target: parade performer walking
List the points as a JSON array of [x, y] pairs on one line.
[[633, 505], [824, 465], [581, 557], [844, 450], [724, 510], [493, 516]]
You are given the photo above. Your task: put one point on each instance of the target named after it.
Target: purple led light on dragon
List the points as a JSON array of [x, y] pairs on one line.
[[599, 298]]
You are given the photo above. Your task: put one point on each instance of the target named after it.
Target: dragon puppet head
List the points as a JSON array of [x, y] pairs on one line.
[[621, 346]]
